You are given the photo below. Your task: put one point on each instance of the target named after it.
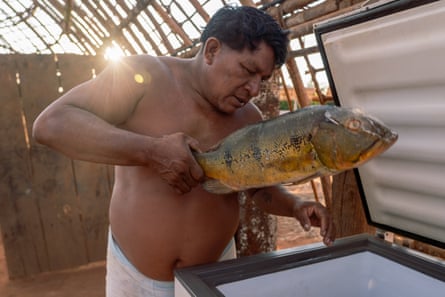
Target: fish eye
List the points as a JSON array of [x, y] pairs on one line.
[[354, 124]]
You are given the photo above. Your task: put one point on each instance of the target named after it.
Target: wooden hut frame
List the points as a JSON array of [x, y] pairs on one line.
[[33, 204]]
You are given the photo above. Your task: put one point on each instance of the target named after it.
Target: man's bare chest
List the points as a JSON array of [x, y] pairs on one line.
[[177, 116]]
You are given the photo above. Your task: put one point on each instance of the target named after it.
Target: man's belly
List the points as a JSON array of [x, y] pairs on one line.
[[159, 230]]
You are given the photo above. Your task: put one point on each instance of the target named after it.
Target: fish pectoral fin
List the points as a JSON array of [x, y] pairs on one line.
[[216, 187]]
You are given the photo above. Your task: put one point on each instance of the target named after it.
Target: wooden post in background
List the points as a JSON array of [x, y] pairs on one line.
[[347, 207], [257, 229]]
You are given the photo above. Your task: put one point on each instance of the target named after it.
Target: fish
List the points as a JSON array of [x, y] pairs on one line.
[[319, 140]]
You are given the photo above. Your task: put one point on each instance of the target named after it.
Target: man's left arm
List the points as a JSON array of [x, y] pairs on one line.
[[279, 201]]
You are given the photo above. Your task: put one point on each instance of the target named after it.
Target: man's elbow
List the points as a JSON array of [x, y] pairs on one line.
[[41, 130]]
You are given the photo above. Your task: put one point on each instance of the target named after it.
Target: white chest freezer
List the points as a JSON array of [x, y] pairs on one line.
[[389, 60]]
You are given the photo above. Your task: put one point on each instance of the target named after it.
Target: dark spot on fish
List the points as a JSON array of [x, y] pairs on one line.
[[228, 159], [296, 141], [244, 157], [256, 153]]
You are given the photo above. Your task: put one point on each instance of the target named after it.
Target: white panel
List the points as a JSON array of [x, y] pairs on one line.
[[394, 68]]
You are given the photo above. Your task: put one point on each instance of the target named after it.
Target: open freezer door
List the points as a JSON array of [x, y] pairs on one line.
[[389, 60]]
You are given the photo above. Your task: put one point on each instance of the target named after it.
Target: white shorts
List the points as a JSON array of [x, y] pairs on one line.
[[124, 280]]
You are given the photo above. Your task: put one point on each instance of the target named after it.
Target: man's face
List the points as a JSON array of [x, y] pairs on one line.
[[236, 76]]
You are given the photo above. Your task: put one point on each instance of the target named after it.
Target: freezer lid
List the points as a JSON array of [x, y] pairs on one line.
[[388, 59]]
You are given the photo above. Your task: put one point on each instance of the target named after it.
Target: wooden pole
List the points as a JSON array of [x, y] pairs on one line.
[[347, 208]]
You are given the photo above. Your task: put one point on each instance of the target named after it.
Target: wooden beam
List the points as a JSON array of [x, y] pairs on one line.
[[161, 34], [24, 20], [312, 13], [297, 82], [306, 27], [303, 52], [75, 38], [143, 31], [132, 14], [200, 10], [113, 31], [247, 3], [288, 7], [172, 23], [312, 73], [125, 25]]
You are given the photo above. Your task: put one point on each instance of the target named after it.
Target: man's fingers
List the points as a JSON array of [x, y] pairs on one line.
[[320, 217], [190, 180], [305, 221], [197, 173], [180, 185], [324, 222], [327, 228], [193, 144], [330, 234]]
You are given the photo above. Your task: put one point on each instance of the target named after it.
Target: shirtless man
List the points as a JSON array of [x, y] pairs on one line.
[[146, 115]]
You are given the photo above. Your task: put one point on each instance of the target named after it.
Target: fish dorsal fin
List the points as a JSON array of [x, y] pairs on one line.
[[216, 187]]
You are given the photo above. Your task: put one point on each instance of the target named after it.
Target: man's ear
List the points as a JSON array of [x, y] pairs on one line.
[[211, 49]]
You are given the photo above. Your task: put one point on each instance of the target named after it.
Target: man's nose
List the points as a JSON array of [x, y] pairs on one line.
[[254, 86]]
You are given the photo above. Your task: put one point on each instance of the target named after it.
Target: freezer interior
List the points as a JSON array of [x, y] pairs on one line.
[[359, 265], [361, 274]]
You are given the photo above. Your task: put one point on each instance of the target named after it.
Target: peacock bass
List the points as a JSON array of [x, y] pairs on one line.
[[294, 148]]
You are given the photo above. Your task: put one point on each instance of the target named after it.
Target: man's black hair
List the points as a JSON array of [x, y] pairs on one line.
[[242, 26]]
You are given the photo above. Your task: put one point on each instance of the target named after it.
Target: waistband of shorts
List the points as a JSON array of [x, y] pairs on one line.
[[228, 247], [120, 256]]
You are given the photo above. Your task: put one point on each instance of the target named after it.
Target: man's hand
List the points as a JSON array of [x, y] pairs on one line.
[[175, 163], [313, 214], [279, 201]]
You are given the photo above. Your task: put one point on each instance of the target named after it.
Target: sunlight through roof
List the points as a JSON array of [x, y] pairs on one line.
[[89, 27], [115, 28]]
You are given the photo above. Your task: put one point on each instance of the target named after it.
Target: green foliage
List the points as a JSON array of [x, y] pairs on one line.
[[285, 106]]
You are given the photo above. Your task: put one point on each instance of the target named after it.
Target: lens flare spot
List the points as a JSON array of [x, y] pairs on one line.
[[139, 78], [142, 78]]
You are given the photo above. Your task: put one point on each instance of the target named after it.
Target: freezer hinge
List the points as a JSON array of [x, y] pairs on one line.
[[385, 235]]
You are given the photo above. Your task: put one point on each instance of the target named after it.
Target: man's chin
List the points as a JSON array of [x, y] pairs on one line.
[[228, 109]]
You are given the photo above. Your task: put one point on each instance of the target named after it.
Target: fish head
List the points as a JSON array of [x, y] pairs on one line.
[[346, 138]]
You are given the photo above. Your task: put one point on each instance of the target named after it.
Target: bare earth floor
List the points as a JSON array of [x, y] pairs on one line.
[[89, 281]]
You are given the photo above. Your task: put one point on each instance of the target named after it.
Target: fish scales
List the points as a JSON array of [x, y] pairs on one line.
[[295, 147], [262, 151]]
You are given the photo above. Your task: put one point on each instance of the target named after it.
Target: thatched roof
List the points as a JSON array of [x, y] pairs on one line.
[[88, 27], [157, 27]]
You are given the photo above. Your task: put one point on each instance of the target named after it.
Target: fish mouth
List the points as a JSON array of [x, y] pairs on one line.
[[379, 146]]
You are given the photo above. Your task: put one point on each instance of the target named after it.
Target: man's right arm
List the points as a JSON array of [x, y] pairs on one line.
[[84, 124]]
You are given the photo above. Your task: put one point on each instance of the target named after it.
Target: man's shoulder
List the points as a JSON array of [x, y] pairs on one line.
[[157, 70], [142, 61]]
